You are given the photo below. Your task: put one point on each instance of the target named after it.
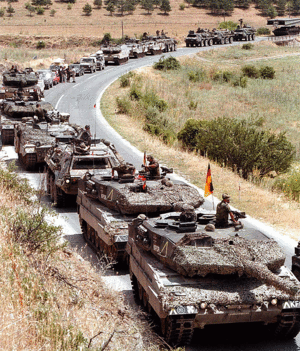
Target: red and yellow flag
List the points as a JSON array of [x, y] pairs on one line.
[[209, 189]]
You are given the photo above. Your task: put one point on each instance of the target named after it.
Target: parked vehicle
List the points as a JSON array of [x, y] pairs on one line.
[[89, 64], [100, 61], [47, 76]]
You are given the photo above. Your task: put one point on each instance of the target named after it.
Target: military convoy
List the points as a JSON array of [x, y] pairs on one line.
[[246, 33], [116, 54], [106, 205], [190, 274]]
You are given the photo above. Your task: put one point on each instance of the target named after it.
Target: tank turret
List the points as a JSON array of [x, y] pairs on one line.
[[16, 79]]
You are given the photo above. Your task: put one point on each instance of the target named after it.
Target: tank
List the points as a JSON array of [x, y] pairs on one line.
[[189, 275], [105, 207], [66, 164], [33, 140], [11, 114], [246, 33], [116, 54], [287, 30], [296, 261], [136, 48]]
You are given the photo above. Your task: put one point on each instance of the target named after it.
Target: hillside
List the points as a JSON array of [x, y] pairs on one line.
[[67, 23]]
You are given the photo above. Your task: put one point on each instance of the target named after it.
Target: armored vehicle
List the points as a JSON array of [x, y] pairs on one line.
[[193, 39], [66, 164], [285, 26], [190, 274], [33, 140], [223, 37], [106, 207], [11, 114], [246, 33], [136, 48], [155, 45], [116, 54]]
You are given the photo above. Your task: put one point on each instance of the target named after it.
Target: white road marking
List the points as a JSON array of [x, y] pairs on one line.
[[75, 85], [58, 102]]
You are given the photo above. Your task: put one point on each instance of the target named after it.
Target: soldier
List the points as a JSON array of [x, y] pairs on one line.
[[223, 210], [39, 112], [153, 168], [86, 136], [73, 73]]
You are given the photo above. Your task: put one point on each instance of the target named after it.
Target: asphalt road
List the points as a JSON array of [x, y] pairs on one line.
[[79, 99]]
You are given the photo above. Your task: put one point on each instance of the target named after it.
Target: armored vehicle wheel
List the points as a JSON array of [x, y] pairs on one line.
[[210, 42], [205, 42], [231, 40], [253, 36], [178, 330], [135, 288], [287, 327], [226, 40], [222, 41], [187, 45]]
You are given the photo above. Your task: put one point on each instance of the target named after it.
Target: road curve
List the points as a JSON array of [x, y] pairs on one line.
[[79, 100]]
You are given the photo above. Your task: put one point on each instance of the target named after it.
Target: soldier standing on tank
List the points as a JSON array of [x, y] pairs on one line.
[[86, 135], [223, 210], [153, 168], [157, 33]]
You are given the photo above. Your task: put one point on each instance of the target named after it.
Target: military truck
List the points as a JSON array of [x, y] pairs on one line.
[[116, 54], [66, 164], [246, 33], [190, 274], [106, 206], [34, 139]]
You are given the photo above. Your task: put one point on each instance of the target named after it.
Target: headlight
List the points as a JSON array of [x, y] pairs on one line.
[[203, 305], [67, 181], [274, 302]]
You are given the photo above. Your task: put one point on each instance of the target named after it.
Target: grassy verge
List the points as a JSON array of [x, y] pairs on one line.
[[271, 102], [50, 299]]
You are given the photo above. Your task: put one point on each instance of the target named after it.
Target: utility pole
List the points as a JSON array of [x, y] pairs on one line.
[[122, 30]]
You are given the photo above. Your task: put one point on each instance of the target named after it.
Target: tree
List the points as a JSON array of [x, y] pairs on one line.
[[10, 10], [110, 8], [281, 5], [147, 5], [156, 3], [2, 11], [52, 13], [48, 3], [40, 10], [271, 12], [30, 8], [39, 2], [129, 6], [87, 9], [98, 3], [165, 6]]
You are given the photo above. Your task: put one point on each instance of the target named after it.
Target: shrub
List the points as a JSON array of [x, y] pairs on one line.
[[69, 7], [228, 25], [135, 93], [151, 99], [152, 114], [250, 71], [40, 44], [267, 72], [247, 46], [290, 184], [193, 105], [236, 144], [263, 31], [106, 38], [224, 76], [181, 7], [87, 9], [197, 76], [170, 63], [2, 11], [161, 105], [40, 10], [52, 13], [125, 79], [123, 105]]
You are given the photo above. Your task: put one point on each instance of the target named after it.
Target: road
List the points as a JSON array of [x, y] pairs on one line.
[[79, 99]]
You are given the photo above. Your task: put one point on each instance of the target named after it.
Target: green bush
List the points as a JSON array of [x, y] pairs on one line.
[[250, 71], [125, 79], [228, 25], [238, 145], [197, 76], [151, 99], [224, 76], [181, 7], [152, 114], [290, 184], [40, 10], [40, 44], [267, 72], [247, 46], [135, 93], [239, 82], [164, 64], [123, 105], [263, 31], [193, 105]]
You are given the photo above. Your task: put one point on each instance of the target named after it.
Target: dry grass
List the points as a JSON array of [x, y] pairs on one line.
[[59, 302], [73, 23], [271, 207]]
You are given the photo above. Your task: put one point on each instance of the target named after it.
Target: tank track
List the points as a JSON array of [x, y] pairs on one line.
[[288, 325], [177, 330], [29, 161]]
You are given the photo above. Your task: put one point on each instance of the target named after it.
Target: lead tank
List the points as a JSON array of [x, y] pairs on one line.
[[107, 205], [190, 275], [116, 54]]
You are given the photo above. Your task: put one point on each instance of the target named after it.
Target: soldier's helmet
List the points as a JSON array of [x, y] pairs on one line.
[[225, 196], [150, 157]]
